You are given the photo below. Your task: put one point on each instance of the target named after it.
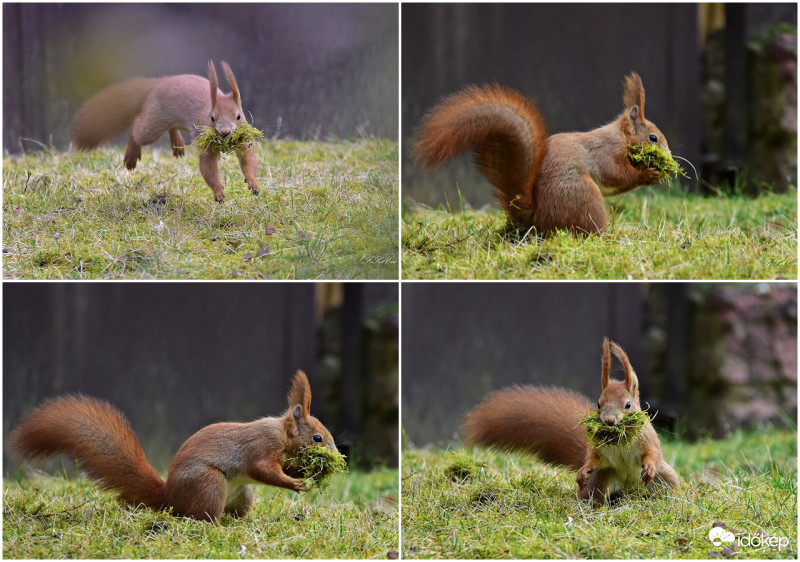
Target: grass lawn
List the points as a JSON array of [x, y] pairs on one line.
[[50, 517], [479, 504], [327, 210], [654, 233]]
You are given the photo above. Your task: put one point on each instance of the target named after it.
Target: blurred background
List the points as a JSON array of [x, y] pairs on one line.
[[305, 71], [175, 357], [720, 80], [711, 358]]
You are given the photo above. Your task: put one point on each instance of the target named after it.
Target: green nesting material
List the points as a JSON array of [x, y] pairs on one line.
[[621, 434], [244, 135], [643, 156], [318, 464]]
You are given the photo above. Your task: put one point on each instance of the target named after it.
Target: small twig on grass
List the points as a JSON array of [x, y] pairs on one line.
[[43, 515], [425, 251]]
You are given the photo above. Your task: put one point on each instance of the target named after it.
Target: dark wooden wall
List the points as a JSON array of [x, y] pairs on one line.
[[321, 69], [462, 340], [175, 357]]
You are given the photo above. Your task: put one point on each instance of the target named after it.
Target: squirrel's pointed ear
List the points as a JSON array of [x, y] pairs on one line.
[[633, 96], [300, 395], [213, 83], [631, 380], [226, 69], [606, 365]]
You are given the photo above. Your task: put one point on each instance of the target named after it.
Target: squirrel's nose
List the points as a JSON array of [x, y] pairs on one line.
[[610, 419]]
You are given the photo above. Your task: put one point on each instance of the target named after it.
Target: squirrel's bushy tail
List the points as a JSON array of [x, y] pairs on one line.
[[99, 436], [504, 130], [110, 112], [531, 419]]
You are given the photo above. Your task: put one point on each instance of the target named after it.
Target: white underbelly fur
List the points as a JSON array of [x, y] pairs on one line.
[[627, 461], [234, 484]]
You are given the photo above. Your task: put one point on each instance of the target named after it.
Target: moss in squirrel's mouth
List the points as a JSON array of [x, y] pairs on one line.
[[624, 432], [238, 141], [643, 156], [318, 464]]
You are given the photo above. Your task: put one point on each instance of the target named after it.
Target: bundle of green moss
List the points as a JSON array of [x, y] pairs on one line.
[[623, 433], [238, 141], [643, 156], [317, 465]]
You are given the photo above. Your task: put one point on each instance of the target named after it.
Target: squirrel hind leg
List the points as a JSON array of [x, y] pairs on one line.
[[666, 476], [133, 153], [573, 202], [198, 493]]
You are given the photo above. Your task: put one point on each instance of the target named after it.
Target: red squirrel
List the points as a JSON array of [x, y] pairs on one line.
[[545, 421], [548, 183], [151, 107], [210, 473]]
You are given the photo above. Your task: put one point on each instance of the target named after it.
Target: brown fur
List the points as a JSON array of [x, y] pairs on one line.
[[151, 107], [544, 421], [538, 420], [211, 470], [549, 183]]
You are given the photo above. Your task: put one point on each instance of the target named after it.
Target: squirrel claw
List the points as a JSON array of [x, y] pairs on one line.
[[648, 472], [650, 176]]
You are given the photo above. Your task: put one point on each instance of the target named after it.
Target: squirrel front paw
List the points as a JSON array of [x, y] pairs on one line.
[[649, 176], [300, 486], [648, 472], [583, 475]]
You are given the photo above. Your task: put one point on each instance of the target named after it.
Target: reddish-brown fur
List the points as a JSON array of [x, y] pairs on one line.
[[208, 475], [549, 183], [151, 107], [544, 421], [531, 419]]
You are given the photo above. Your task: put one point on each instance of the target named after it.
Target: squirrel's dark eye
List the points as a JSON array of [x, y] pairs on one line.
[[212, 118], [627, 404], [318, 438], [653, 138], [598, 404], [238, 116]]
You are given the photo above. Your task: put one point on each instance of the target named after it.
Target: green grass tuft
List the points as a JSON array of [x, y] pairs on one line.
[[654, 233], [327, 210], [653, 156], [462, 467], [238, 141], [627, 430], [516, 507], [50, 517], [318, 464]]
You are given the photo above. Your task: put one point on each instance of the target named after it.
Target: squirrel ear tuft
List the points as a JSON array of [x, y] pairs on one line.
[[226, 69], [212, 82], [606, 365], [633, 95], [300, 394], [631, 380]]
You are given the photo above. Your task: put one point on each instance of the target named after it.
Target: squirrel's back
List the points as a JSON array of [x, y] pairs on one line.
[[99, 436], [532, 419]]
